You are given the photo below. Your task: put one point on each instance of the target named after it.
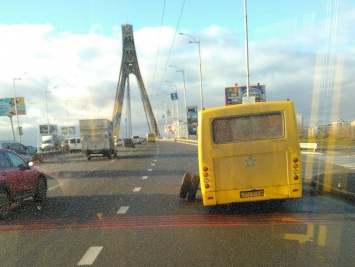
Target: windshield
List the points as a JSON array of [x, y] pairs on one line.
[[231, 191]]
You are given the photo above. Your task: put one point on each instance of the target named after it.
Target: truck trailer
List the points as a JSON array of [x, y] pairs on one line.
[[97, 139]]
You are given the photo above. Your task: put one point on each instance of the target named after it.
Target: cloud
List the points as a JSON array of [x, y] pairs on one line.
[[82, 70]]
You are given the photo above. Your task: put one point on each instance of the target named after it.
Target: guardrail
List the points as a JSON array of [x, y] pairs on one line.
[[313, 146]]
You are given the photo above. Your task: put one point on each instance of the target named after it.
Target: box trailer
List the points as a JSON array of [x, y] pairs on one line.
[[97, 139]]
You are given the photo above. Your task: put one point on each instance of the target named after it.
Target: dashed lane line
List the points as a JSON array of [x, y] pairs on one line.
[[90, 256], [123, 210], [145, 177], [137, 189]]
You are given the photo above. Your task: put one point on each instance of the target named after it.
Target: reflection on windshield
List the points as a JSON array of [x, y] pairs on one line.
[[83, 75]]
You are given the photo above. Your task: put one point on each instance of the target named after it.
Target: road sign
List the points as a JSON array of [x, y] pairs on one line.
[[174, 96]]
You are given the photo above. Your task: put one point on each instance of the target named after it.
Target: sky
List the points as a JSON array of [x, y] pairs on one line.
[[68, 54]]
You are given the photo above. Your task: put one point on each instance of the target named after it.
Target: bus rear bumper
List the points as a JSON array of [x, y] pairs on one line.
[[247, 195]]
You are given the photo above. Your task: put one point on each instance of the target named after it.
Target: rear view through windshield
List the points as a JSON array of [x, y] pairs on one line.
[[248, 128]]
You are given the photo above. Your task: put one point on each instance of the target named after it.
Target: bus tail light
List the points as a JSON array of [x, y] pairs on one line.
[[205, 175], [295, 168]]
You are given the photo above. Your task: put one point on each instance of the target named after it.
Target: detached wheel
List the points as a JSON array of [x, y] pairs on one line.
[[193, 188], [4, 204], [185, 185], [41, 191]]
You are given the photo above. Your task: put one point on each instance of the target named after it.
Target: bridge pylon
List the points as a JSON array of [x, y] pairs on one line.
[[129, 65]]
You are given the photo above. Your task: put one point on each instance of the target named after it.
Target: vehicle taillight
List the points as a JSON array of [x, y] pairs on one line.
[[295, 169], [206, 174]]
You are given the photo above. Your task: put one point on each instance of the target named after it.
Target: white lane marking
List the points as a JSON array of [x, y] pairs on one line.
[[145, 177], [54, 187], [123, 210], [153, 164], [155, 160], [150, 170], [90, 256], [137, 189]]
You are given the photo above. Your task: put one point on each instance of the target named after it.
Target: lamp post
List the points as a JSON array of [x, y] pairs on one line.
[[185, 105], [246, 46], [177, 110], [45, 96], [66, 107], [172, 106], [18, 125], [172, 109], [197, 41], [177, 106]]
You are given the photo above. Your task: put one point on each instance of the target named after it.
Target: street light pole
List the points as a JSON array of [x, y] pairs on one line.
[[197, 41], [45, 96], [172, 108], [246, 46], [185, 105], [18, 124], [177, 109], [66, 108]]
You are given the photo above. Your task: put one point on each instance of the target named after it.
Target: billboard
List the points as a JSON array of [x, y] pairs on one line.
[[7, 106], [192, 120], [170, 128], [234, 95], [43, 129], [71, 130]]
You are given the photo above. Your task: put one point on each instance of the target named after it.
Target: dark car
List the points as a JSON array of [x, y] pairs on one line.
[[19, 180], [17, 147], [31, 149], [128, 142]]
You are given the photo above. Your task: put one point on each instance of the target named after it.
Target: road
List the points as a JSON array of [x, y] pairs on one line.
[[127, 212]]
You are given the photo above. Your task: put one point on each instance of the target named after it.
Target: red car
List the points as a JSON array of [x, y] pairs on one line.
[[19, 180]]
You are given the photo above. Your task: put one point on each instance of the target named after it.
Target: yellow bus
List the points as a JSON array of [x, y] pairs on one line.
[[150, 137], [247, 152]]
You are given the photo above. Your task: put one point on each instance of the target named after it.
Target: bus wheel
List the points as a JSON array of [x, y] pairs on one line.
[[193, 188], [185, 186]]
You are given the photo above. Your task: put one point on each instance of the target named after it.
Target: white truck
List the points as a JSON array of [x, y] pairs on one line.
[[97, 139], [51, 142]]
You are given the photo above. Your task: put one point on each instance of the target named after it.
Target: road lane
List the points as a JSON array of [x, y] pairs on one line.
[[95, 206]]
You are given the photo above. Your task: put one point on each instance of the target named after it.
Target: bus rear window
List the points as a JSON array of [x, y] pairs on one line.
[[248, 128]]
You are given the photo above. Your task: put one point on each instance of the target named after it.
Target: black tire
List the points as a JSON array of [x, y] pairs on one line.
[[193, 188], [4, 204], [185, 185], [41, 191], [89, 158]]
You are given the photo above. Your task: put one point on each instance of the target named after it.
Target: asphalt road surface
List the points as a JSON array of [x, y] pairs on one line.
[[127, 212]]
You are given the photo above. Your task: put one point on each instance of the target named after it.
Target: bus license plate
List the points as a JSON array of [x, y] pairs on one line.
[[254, 193]]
